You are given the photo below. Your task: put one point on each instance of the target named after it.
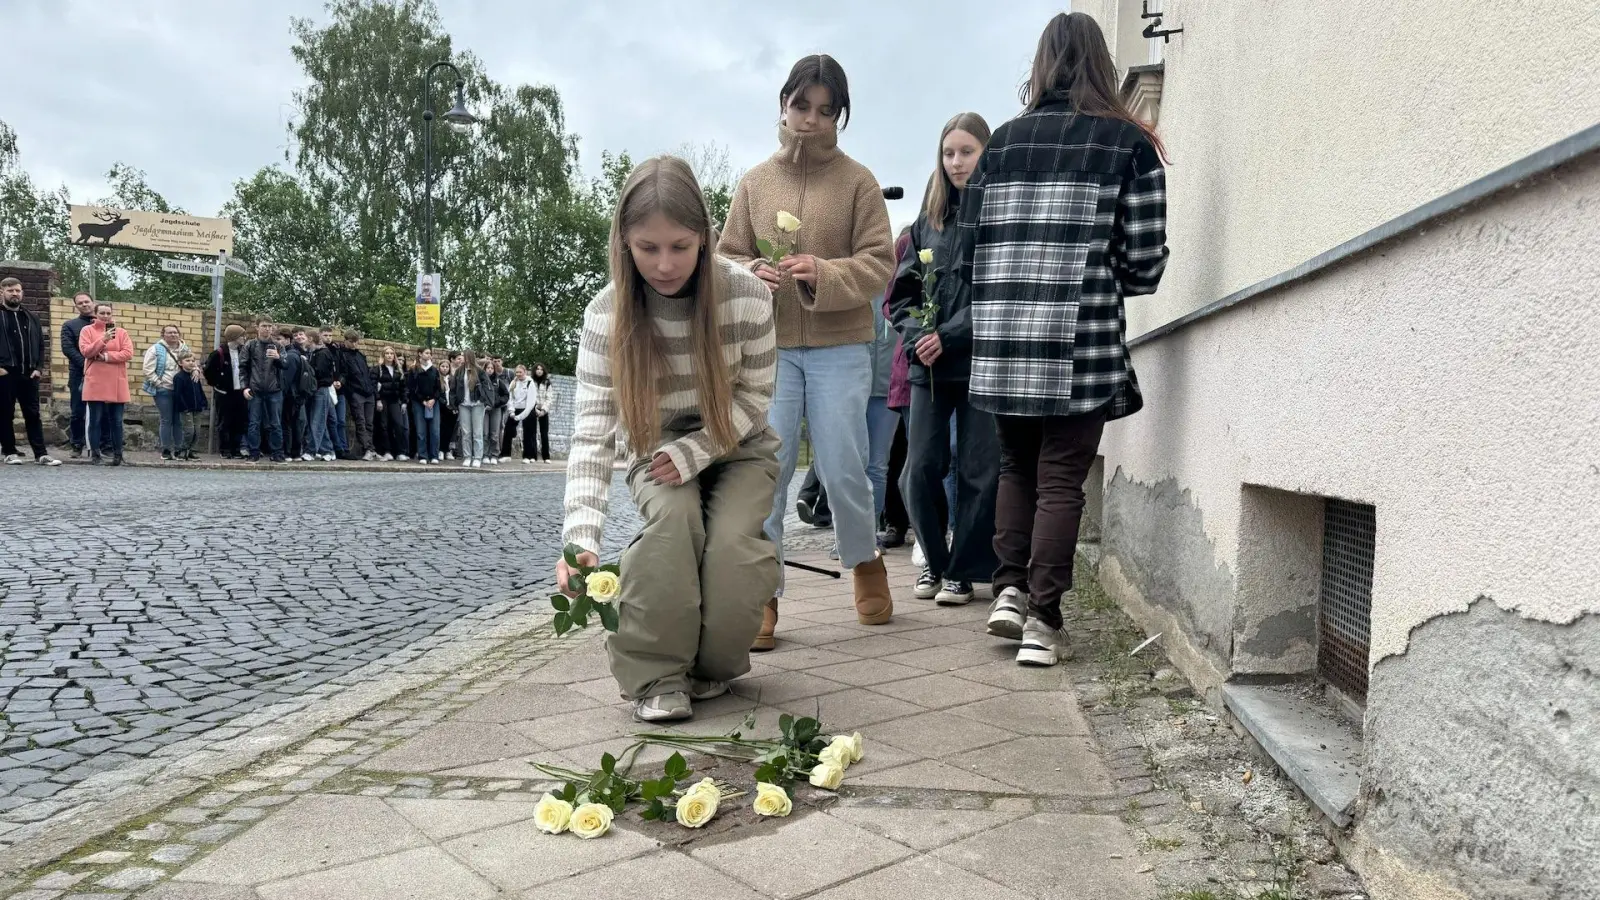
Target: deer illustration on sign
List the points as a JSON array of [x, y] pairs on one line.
[[111, 222]]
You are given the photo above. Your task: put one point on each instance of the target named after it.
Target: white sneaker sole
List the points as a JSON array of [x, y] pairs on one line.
[[925, 593], [944, 599], [1006, 624], [1035, 658], [653, 716]]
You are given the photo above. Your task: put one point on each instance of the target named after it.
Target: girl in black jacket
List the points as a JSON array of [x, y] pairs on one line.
[[425, 388], [937, 337], [390, 431]]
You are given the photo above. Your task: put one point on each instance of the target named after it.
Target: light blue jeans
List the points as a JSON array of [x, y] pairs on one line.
[[829, 388]]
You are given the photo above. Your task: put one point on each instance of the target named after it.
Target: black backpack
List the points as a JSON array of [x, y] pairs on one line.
[[307, 385]]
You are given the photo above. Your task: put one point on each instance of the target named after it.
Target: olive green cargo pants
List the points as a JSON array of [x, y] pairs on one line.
[[695, 579]]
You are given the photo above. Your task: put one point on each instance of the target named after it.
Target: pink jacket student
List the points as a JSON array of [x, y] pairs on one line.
[[105, 364]]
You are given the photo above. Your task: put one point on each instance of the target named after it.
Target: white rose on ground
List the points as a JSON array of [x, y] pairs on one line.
[[591, 820], [552, 814], [835, 755], [828, 777], [698, 806], [772, 800]]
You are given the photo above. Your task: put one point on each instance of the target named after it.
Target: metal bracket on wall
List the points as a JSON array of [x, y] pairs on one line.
[[1153, 30]]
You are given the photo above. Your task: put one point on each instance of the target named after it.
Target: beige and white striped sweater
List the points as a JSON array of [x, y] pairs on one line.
[[749, 346]]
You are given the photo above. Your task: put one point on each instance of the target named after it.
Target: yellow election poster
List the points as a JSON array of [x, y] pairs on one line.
[[430, 292]]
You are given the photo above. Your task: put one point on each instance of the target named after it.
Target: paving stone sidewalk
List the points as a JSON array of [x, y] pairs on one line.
[[981, 780]]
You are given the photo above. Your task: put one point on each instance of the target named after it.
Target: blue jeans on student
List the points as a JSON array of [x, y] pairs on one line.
[[321, 442], [950, 479], [881, 423], [340, 414], [828, 387], [78, 433], [268, 406], [426, 428], [166, 405]]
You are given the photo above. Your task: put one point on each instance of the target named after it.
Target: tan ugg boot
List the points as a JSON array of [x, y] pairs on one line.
[[769, 623], [874, 604]]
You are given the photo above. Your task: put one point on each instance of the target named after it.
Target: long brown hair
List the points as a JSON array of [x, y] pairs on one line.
[[937, 202], [469, 362], [666, 185], [1073, 62]]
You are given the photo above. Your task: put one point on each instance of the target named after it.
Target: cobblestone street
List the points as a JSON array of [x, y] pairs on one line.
[[176, 602]]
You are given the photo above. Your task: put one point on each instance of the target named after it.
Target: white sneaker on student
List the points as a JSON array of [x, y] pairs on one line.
[[1042, 645], [927, 585], [706, 690], [306, 457], [918, 558], [423, 461], [1008, 613], [527, 462], [477, 464], [466, 464], [402, 458], [388, 457], [664, 708], [13, 459]]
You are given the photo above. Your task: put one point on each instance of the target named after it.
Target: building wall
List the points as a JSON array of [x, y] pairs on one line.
[[1447, 377]]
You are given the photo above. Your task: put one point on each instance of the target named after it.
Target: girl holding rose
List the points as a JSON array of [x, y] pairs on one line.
[[676, 358], [822, 216], [929, 306]]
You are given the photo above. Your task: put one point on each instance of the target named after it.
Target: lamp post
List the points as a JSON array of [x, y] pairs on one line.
[[460, 120]]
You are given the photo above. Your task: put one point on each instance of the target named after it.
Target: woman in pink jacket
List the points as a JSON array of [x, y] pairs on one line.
[[106, 351]]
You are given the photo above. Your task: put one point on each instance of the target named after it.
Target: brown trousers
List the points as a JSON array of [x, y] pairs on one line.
[[695, 579], [1043, 462]]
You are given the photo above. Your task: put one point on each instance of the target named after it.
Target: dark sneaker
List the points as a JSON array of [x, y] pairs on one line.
[[166, 456], [1007, 613], [927, 585], [1042, 645], [891, 539], [663, 708], [116, 460], [806, 512], [954, 593], [77, 453]]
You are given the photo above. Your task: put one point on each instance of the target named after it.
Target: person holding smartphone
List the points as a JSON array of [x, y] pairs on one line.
[[106, 351]]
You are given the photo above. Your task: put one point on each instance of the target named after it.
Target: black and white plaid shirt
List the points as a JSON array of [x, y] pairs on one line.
[[1065, 215]]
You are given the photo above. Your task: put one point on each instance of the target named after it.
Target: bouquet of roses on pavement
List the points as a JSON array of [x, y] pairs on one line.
[[589, 589]]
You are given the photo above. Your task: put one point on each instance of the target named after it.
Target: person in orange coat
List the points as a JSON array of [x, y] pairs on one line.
[[106, 351]]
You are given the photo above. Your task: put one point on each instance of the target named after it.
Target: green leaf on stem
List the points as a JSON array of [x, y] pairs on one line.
[[581, 608], [806, 731], [570, 554], [785, 725], [612, 568], [608, 764], [562, 623], [608, 616], [560, 602], [676, 767], [575, 583], [765, 246]]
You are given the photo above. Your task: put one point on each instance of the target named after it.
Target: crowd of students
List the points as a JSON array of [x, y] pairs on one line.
[[287, 394], [998, 316]]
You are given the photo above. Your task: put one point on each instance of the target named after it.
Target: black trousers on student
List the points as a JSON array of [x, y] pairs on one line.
[[19, 387], [544, 436], [510, 434], [233, 418], [894, 505], [971, 554]]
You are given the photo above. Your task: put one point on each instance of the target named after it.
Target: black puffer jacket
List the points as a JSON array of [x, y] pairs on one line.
[[391, 383], [953, 296], [325, 363], [354, 373]]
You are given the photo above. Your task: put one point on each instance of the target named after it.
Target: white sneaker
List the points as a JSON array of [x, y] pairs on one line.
[[664, 708], [1042, 645], [402, 458], [48, 461], [371, 456], [388, 457], [466, 464], [493, 460], [505, 459], [1008, 613], [13, 460], [706, 690], [306, 457], [927, 585], [918, 558], [527, 462], [954, 593], [477, 464], [422, 462]]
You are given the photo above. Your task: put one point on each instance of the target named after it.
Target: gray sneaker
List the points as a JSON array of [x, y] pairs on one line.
[[48, 461], [663, 708], [13, 459], [1007, 613], [1042, 645], [706, 690]]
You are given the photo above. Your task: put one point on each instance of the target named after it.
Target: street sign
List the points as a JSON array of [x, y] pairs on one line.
[[238, 267], [191, 267]]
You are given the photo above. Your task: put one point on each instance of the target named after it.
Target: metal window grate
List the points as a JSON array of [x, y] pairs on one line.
[[1345, 608]]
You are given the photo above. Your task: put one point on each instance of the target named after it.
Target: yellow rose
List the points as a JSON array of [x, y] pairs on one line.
[[552, 815], [858, 748], [602, 585], [827, 776], [708, 785], [835, 755], [696, 807], [787, 223], [772, 800], [849, 748], [591, 820], [926, 256]]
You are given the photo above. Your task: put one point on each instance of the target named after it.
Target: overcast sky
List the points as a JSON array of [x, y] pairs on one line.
[[196, 92]]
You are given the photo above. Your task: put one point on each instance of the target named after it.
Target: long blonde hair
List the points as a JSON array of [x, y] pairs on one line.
[[667, 185], [937, 202]]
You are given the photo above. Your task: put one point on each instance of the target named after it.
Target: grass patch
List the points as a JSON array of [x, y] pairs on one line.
[[1165, 844]]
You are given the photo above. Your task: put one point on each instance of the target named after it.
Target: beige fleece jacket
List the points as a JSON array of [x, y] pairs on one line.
[[844, 224]]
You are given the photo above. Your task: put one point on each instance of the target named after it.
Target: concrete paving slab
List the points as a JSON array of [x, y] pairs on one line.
[[444, 819], [451, 745], [173, 890], [603, 690], [426, 873], [858, 708], [800, 855], [1067, 766], [866, 672], [1053, 855], [312, 833], [517, 857], [876, 646], [784, 687], [586, 661], [586, 726], [931, 775], [670, 876], [918, 879], [1031, 713], [1013, 677], [923, 829], [953, 658], [800, 658], [938, 691], [810, 635], [519, 767], [937, 734], [521, 701]]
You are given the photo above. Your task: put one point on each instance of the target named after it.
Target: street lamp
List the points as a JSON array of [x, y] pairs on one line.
[[460, 121]]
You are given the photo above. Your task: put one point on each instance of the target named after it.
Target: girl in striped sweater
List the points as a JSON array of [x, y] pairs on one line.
[[677, 357]]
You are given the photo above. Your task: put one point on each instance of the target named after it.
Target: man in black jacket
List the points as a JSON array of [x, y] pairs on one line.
[[292, 344], [324, 361], [22, 364], [426, 388], [261, 365], [222, 371], [356, 390], [77, 433]]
